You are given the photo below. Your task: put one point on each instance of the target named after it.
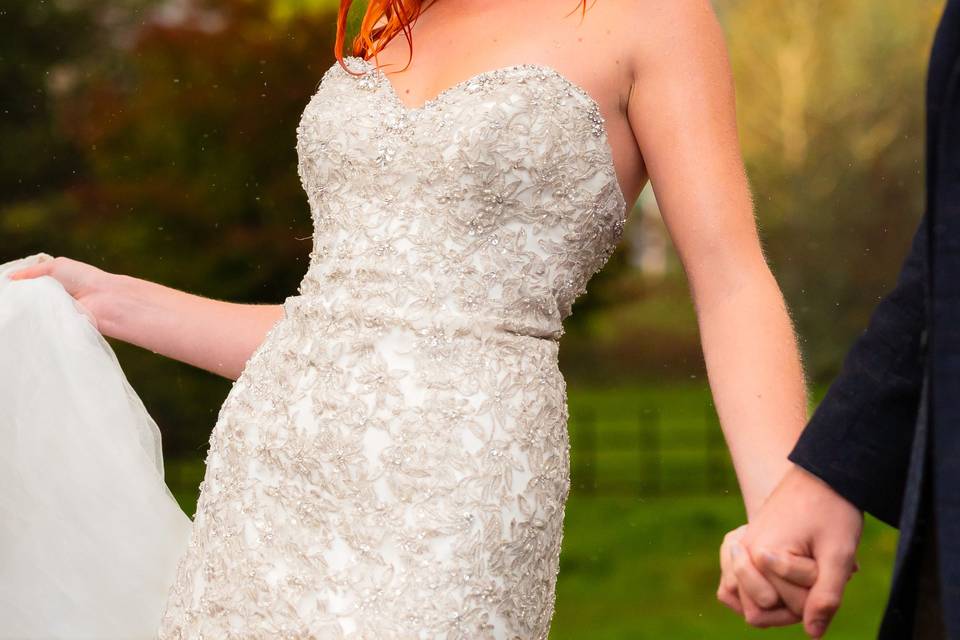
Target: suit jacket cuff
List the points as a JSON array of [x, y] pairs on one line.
[[855, 471]]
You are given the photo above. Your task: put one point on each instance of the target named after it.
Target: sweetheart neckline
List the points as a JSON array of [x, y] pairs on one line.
[[576, 89]]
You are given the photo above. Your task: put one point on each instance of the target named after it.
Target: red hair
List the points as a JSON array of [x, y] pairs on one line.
[[399, 14]]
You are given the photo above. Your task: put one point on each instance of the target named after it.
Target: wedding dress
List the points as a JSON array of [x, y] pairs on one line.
[[393, 461]]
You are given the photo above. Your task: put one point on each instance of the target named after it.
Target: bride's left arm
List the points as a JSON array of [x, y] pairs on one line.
[[682, 112]]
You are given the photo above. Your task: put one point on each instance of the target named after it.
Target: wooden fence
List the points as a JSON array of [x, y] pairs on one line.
[[643, 455]]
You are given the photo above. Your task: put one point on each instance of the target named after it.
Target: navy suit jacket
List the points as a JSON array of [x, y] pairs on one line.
[[887, 434]]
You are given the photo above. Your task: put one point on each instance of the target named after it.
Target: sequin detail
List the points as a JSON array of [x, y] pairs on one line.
[[393, 462]]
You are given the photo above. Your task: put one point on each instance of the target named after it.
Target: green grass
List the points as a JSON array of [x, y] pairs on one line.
[[649, 440], [639, 563], [647, 568]]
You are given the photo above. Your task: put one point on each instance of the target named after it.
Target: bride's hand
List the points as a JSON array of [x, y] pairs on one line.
[[86, 283]]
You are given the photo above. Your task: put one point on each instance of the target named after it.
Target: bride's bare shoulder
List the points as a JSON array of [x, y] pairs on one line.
[[649, 27], [654, 31], [659, 14]]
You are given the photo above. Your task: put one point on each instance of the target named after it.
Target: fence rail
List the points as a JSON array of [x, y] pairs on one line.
[[644, 455]]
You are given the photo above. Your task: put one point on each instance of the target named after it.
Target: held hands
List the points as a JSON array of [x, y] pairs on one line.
[[792, 562], [84, 282]]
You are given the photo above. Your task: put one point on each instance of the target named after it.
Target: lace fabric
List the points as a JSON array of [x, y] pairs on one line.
[[393, 462]]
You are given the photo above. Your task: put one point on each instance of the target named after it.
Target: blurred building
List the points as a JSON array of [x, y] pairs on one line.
[[646, 236]]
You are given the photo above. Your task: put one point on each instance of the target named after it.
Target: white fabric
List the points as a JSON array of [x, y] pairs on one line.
[[393, 461], [90, 534]]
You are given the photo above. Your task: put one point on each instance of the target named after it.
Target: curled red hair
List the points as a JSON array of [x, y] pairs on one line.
[[399, 14]]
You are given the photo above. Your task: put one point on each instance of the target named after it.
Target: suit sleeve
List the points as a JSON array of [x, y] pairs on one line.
[[859, 438]]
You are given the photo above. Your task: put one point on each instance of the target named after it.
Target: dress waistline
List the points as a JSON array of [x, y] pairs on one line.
[[444, 325]]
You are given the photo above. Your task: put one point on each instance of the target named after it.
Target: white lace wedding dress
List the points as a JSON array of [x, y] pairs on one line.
[[393, 462]]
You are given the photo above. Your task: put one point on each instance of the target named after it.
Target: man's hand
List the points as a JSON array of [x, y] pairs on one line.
[[794, 559]]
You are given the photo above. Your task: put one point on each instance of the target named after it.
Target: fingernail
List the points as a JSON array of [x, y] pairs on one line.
[[736, 549], [770, 556], [817, 627]]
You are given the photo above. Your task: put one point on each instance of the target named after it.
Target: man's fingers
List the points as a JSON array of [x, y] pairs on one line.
[[835, 568], [750, 581], [799, 570]]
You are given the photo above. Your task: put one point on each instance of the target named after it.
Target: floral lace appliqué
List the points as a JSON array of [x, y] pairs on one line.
[[393, 462]]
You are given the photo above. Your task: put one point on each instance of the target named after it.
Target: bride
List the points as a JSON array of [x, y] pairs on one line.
[[392, 458]]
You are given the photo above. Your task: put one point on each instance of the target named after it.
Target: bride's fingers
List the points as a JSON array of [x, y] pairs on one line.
[[731, 593], [757, 616], [799, 570], [794, 597], [763, 618], [33, 271], [728, 596], [751, 582], [728, 592]]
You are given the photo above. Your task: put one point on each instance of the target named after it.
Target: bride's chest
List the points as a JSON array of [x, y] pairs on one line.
[[511, 119]]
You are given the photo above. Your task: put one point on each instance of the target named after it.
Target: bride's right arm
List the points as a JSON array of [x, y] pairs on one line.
[[214, 335]]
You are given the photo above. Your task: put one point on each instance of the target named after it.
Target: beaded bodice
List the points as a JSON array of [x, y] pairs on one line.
[[371, 483], [493, 203]]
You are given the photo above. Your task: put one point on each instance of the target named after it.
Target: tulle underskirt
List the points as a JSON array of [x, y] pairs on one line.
[[90, 535]]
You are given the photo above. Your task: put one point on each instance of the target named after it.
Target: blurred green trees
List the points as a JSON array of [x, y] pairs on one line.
[[831, 114], [167, 154], [155, 139], [831, 105]]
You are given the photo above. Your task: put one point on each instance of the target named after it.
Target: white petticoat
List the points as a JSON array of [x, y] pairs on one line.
[[90, 535]]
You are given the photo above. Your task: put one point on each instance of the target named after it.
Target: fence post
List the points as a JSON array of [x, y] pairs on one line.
[[588, 448], [716, 445], [649, 458]]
